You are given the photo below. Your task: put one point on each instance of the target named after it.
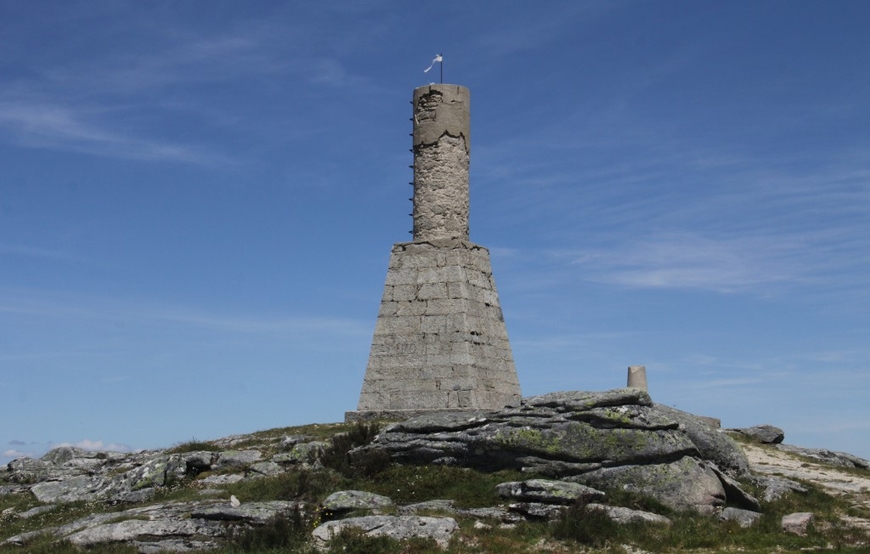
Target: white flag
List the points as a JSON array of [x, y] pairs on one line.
[[438, 59]]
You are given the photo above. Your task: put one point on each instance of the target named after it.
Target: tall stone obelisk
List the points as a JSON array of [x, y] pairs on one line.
[[440, 342]]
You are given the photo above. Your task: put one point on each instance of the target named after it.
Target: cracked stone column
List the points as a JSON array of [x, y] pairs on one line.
[[440, 341], [442, 145]]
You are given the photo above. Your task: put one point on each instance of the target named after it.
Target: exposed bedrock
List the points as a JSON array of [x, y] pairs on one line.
[[617, 438]]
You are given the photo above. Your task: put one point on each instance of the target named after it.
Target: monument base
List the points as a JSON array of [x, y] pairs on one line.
[[440, 341], [402, 415]]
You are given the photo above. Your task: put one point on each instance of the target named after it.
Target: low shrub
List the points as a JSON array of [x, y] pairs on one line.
[[287, 533]]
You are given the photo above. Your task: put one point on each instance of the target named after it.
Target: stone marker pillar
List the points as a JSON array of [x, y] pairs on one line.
[[442, 144], [637, 377], [440, 342]]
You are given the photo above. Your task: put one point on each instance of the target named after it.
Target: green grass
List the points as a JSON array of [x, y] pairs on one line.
[[193, 445], [410, 484]]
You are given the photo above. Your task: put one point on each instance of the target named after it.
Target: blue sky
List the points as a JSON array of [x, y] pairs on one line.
[[198, 201]]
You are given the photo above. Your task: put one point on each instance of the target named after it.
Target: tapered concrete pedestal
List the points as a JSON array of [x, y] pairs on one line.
[[440, 341]]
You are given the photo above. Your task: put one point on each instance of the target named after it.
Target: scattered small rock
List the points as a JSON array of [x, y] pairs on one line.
[[744, 518], [797, 523], [342, 502], [777, 487]]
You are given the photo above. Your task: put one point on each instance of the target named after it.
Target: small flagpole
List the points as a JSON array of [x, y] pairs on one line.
[[442, 68]]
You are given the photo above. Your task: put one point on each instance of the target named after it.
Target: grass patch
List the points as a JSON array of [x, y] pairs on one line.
[[467, 487], [287, 533], [193, 445], [304, 485]]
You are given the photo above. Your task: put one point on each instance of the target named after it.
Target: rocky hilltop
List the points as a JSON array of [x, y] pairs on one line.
[[533, 463]]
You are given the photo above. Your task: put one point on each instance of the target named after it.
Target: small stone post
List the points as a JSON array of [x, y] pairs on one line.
[[637, 377]]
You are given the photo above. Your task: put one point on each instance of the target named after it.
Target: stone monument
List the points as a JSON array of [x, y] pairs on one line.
[[440, 342], [637, 377]]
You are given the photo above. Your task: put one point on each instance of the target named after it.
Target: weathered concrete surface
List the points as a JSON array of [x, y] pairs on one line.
[[637, 377], [440, 342], [442, 145]]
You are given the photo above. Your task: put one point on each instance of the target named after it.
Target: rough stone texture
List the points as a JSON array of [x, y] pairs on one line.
[[537, 510], [237, 458], [347, 501], [442, 144], [777, 487], [682, 485], [623, 515], [440, 342], [744, 518], [713, 443], [765, 434], [841, 459], [735, 493], [616, 438], [440, 529], [133, 529], [551, 492], [797, 523]]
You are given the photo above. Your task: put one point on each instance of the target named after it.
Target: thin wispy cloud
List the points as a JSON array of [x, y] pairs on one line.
[[79, 130], [692, 261], [61, 305]]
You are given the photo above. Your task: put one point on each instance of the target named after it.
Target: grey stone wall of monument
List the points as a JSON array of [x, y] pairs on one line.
[[440, 341], [637, 377]]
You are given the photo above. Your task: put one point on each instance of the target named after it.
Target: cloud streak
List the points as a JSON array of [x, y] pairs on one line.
[[42, 125], [61, 305]]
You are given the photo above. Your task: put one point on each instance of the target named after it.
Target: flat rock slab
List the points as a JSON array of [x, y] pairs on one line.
[[550, 492], [346, 501], [134, 529], [777, 487], [765, 434], [623, 515], [231, 458], [72, 489], [440, 529], [256, 513], [842, 459]]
